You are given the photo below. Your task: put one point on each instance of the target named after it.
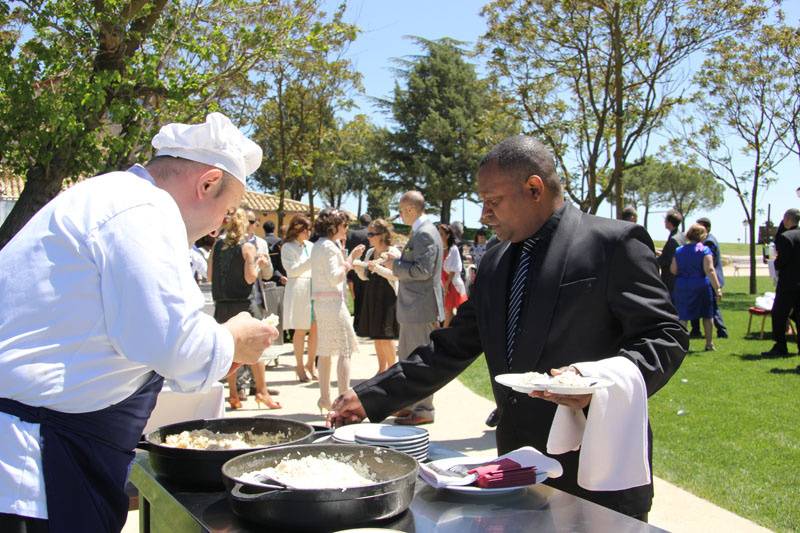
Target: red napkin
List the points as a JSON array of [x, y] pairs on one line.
[[503, 473]]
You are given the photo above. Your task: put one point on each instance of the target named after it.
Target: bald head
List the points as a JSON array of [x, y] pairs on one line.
[[520, 157]]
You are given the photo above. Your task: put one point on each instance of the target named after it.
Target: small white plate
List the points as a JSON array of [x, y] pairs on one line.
[[345, 434], [390, 433], [398, 443], [520, 384]]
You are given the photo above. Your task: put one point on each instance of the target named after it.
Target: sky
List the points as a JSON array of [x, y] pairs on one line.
[[385, 26]]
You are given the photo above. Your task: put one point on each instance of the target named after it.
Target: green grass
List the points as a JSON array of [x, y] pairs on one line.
[[737, 442], [728, 248]]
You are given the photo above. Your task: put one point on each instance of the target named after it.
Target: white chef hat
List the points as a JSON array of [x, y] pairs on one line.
[[216, 142]]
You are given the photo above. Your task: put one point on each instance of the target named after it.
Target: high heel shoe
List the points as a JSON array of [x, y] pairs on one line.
[[267, 400], [324, 405], [301, 377], [235, 402]]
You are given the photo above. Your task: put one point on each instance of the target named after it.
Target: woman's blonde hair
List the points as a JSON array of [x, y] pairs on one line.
[[235, 228], [697, 233], [384, 228]]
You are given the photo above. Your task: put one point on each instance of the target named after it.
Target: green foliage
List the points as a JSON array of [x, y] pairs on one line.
[[446, 119], [736, 443], [685, 187], [591, 78], [85, 85]]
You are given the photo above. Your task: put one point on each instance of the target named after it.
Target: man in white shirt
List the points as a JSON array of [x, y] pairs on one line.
[[106, 310]]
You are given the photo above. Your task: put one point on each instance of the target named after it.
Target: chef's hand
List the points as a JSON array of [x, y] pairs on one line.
[[346, 409], [573, 401], [250, 337]]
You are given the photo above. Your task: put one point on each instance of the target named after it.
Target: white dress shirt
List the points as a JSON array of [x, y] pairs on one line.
[[96, 293]]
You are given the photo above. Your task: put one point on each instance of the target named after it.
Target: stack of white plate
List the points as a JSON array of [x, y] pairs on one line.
[[408, 439]]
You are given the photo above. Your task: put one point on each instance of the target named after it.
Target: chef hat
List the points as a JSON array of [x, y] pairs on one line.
[[217, 142]]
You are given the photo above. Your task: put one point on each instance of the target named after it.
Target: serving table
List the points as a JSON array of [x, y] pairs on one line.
[[163, 508]]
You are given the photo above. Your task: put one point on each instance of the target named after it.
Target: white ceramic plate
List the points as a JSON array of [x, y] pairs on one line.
[[390, 432], [345, 434], [404, 443], [520, 384]]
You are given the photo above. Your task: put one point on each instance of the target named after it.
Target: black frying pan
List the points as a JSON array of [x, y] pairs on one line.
[[201, 469], [322, 509]]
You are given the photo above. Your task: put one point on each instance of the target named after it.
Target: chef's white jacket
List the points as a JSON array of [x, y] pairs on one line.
[[95, 293]]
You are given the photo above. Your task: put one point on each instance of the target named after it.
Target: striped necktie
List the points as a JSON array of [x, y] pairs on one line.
[[516, 297]]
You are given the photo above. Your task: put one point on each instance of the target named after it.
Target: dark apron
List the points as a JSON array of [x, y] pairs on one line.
[[86, 458]]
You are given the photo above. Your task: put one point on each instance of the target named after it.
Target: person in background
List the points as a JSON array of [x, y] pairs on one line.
[[716, 252], [457, 228], [107, 259], [378, 321], [455, 293], [297, 312], [232, 269], [420, 302], [479, 248], [560, 288], [629, 214], [257, 306], [329, 269], [357, 236], [787, 292], [274, 243], [672, 222], [696, 285]]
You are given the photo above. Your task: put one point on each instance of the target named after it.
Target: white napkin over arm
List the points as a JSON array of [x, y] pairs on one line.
[[613, 439]]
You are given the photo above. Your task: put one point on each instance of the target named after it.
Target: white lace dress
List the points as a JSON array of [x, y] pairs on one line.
[[334, 324]]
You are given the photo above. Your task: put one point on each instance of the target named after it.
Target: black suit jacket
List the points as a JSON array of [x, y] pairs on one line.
[[598, 295], [676, 238], [787, 244]]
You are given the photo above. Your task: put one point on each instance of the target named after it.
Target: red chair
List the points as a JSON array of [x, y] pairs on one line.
[[763, 313]]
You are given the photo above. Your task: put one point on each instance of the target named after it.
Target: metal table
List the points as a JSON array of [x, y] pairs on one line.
[[538, 508]]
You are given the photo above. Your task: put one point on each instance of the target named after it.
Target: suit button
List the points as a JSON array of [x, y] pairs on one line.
[[513, 400]]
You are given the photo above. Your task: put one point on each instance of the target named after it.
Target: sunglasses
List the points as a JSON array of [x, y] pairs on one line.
[[371, 234], [252, 221]]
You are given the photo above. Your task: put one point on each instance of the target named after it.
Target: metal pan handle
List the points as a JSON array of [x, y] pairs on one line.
[[239, 495], [143, 444]]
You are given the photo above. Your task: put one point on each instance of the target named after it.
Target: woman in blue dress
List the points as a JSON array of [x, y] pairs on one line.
[[696, 283]]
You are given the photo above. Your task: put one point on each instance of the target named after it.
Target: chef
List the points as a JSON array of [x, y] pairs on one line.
[[99, 306]]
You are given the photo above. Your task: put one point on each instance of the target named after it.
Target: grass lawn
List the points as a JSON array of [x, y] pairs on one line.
[[728, 248], [737, 441]]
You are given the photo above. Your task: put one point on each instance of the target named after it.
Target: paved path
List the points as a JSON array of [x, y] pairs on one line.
[[459, 424]]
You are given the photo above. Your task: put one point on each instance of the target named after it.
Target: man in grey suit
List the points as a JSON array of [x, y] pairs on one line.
[[419, 294]]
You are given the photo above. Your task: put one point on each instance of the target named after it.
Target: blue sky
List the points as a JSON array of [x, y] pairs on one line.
[[385, 25]]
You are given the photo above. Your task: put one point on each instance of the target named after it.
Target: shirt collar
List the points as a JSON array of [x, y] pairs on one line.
[[142, 172], [549, 227], [419, 222]]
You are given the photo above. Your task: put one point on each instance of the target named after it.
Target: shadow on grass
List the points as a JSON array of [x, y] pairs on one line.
[[785, 370], [760, 357]]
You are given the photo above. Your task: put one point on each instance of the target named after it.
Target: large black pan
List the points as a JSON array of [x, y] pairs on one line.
[[322, 509], [201, 469]]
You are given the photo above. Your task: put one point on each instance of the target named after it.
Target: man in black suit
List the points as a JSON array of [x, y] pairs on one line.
[[787, 293], [592, 292], [672, 221], [355, 237]]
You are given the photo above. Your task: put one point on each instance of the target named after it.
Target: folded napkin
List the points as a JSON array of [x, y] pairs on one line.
[[517, 468], [613, 439], [503, 473]]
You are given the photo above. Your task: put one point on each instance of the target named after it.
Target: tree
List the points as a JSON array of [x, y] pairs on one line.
[[293, 99], [594, 78], [685, 187], [742, 88], [84, 85], [445, 119]]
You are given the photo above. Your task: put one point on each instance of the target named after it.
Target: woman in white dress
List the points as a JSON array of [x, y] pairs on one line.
[[297, 314], [328, 273]]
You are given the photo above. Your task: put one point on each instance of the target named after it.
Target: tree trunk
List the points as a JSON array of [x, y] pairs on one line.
[[445, 212], [619, 118], [41, 186]]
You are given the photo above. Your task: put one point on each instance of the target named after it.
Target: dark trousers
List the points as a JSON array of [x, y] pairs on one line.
[[12, 523], [719, 324], [787, 303]]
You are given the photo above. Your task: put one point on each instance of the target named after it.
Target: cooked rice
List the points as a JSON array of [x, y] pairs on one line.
[[204, 439], [316, 472]]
